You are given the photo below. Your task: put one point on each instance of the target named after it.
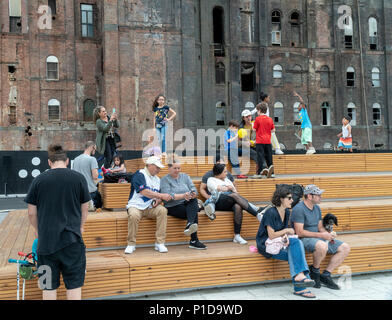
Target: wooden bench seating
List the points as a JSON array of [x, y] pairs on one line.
[[115, 195], [110, 229], [112, 273], [288, 164]]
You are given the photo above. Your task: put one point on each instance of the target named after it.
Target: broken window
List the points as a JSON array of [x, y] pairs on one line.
[[248, 76], [276, 28], [376, 114], [52, 68], [376, 77], [324, 77], [373, 36], [278, 113], [218, 31], [350, 77], [348, 32], [220, 73], [87, 20], [15, 14], [325, 114], [88, 109], [352, 113], [295, 29], [54, 110]]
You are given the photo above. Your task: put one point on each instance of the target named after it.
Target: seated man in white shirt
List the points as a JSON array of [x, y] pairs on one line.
[[144, 202]]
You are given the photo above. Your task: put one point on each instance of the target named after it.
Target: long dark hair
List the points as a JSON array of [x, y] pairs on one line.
[[155, 103], [263, 96]]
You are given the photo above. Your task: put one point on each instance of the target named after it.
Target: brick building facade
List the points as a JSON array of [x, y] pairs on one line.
[[209, 57]]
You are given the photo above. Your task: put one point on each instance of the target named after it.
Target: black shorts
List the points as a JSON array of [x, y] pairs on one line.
[[70, 262]]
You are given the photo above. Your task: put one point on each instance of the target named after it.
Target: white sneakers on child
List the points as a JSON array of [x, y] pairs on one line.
[[278, 151], [239, 239]]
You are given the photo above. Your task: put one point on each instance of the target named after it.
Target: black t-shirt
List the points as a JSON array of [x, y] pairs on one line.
[[270, 218], [58, 195]]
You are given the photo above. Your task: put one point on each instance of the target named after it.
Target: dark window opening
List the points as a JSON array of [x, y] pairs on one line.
[[218, 32], [350, 79], [52, 6], [11, 69], [15, 24], [220, 74], [275, 17], [294, 19], [348, 42], [248, 77]]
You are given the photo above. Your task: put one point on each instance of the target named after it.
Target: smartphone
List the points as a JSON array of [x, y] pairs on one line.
[[114, 111]]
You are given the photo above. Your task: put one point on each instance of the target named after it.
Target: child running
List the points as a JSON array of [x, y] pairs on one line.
[[346, 141]]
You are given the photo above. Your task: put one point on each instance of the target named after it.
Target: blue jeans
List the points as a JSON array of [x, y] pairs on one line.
[[295, 255], [161, 132], [232, 154], [214, 198]]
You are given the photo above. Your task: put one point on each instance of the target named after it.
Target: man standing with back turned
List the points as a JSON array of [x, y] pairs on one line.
[[57, 208]]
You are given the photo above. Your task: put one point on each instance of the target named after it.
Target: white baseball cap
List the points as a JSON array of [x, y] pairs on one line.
[[246, 113], [155, 160]]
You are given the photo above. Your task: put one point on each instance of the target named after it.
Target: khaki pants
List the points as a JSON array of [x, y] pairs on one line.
[[135, 215]]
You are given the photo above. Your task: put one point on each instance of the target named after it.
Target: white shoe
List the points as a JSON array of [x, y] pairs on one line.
[[311, 151], [278, 151], [209, 210], [239, 239], [160, 247], [259, 216], [130, 249]]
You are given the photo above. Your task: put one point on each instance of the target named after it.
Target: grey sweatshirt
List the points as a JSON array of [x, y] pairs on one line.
[[180, 185]]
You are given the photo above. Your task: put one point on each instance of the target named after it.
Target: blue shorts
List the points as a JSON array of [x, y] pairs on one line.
[[310, 244]]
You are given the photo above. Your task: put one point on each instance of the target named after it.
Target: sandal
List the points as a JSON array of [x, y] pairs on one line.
[[304, 294], [303, 284]]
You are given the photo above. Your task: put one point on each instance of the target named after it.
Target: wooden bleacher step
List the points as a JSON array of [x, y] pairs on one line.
[[112, 273], [109, 229]]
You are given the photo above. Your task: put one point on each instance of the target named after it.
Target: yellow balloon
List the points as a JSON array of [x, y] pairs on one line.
[[242, 133]]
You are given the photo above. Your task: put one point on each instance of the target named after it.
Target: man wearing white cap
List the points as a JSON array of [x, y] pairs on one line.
[[144, 202], [307, 222]]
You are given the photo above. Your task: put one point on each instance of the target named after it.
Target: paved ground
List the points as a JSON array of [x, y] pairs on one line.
[[376, 286]]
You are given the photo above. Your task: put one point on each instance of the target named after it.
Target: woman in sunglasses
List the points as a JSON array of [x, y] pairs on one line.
[[275, 240]]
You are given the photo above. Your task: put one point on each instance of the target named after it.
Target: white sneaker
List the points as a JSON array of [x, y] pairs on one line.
[[259, 216], [278, 151], [160, 247], [209, 210], [239, 239], [130, 249], [311, 151]]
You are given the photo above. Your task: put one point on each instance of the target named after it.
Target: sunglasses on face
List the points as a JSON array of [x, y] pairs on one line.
[[290, 197]]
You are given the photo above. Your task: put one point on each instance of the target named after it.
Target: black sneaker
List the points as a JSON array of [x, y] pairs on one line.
[[190, 228], [197, 245], [328, 282], [316, 277]]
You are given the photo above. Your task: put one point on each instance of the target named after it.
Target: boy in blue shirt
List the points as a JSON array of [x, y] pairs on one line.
[[231, 147], [306, 126]]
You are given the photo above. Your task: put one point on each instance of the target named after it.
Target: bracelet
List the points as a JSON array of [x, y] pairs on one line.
[[172, 195]]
